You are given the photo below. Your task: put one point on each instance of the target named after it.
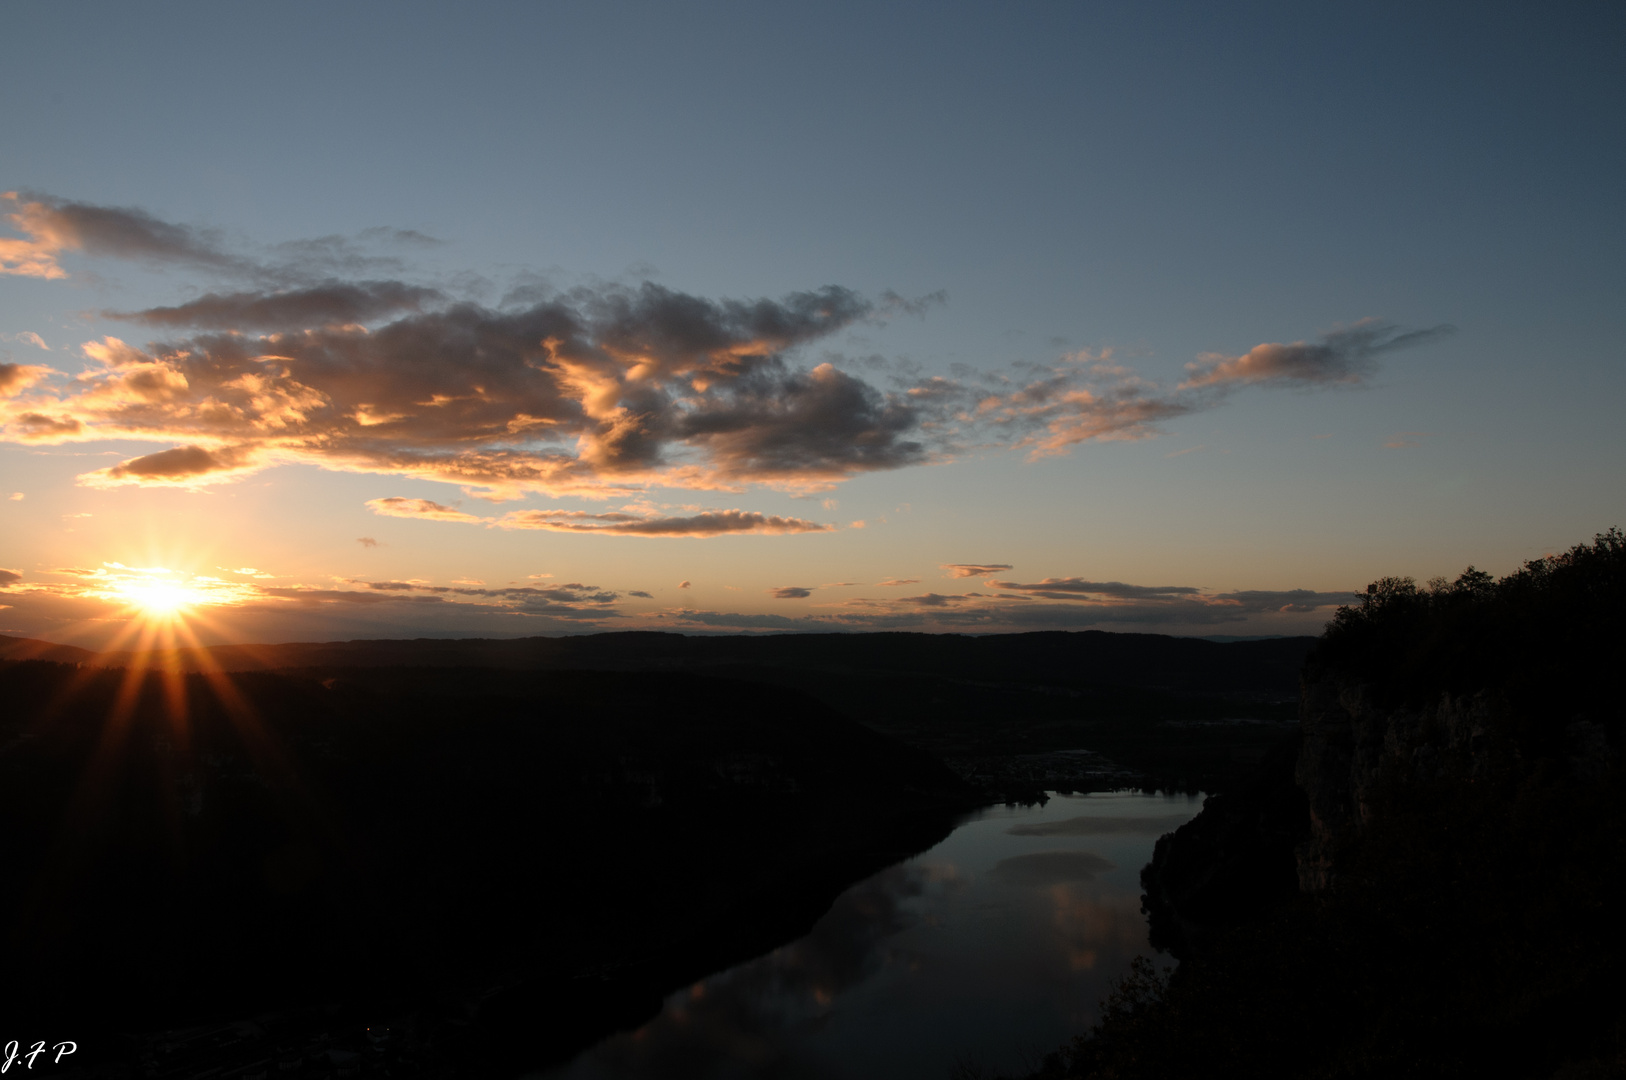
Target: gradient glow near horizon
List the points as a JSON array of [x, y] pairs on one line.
[[381, 321]]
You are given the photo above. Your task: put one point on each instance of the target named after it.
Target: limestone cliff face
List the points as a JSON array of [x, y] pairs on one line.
[[1351, 746]]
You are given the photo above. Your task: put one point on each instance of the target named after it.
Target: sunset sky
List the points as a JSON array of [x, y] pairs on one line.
[[381, 320]]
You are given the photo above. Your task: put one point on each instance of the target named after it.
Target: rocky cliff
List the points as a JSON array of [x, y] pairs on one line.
[[1351, 747], [1355, 751]]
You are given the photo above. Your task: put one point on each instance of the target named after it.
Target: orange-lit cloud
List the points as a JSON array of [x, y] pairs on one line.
[[938, 599], [1079, 589], [708, 523], [415, 508], [971, 570], [184, 466], [616, 523], [15, 378], [1096, 929], [316, 354], [1347, 356], [53, 226], [1085, 398]]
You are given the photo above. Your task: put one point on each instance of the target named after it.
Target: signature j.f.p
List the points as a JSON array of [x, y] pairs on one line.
[[15, 1053]]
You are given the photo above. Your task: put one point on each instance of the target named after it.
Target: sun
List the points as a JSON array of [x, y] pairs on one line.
[[158, 595], [158, 599]]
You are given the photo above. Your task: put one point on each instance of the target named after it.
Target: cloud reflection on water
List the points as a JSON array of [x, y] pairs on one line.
[[961, 951], [1092, 926], [752, 1020]]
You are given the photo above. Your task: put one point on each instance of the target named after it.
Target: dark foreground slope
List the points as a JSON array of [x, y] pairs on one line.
[[1006, 711], [507, 865], [1432, 885]]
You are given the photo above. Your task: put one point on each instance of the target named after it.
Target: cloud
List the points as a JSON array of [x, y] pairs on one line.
[[1287, 600], [9, 578], [574, 601], [640, 593], [15, 378], [1406, 440], [1075, 603], [684, 584], [1115, 600], [937, 599], [790, 592], [318, 352], [1085, 398], [38, 427], [53, 226], [408, 237], [905, 581], [708, 523], [341, 596], [417, 508], [753, 621], [1345, 356], [330, 304], [27, 337], [367, 542], [969, 570], [601, 391], [1079, 589], [570, 593], [918, 307], [986, 613], [821, 425], [184, 465], [17, 496]]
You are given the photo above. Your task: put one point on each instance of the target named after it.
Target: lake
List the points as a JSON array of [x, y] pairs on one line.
[[994, 947]]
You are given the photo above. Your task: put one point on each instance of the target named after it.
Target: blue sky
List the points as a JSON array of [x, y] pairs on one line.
[[1060, 186]]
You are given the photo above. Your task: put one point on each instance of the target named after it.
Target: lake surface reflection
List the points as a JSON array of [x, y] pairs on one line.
[[995, 946]]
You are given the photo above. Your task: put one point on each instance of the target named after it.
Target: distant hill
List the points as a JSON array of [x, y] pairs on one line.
[[1047, 657], [1007, 711], [16, 648]]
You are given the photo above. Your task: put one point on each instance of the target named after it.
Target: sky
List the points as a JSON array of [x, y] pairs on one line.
[[383, 320]]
